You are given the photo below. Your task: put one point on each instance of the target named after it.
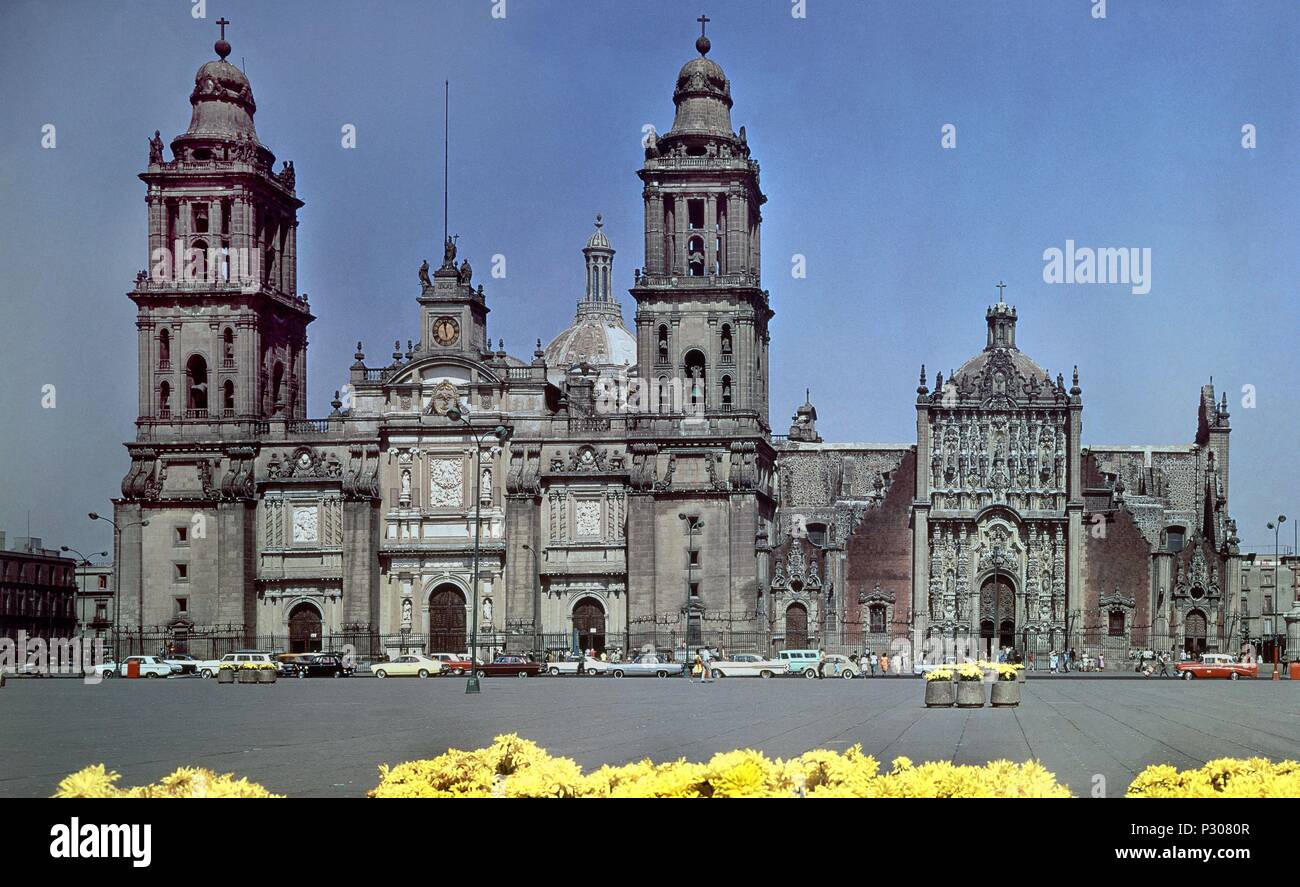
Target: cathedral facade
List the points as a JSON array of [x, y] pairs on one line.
[[621, 486]]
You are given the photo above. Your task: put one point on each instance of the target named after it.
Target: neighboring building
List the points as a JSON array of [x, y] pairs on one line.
[[1269, 588], [641, 497], [95, 601], [38, 591]]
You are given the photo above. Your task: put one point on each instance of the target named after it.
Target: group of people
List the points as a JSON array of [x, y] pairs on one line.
[[871, 661]]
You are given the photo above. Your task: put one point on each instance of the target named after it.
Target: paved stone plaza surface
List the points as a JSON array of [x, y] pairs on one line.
[[326, 737]]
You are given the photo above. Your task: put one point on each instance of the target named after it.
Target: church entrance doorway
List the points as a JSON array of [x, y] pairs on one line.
[[796, 627], [997, 615], [304, 629], [589, 625], [1194, 633], [447, 620]]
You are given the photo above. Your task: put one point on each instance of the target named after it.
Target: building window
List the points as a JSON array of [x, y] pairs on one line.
[[695, 590], [200, 218], [663, 343], [816, 534], [182, 605], [182, 535], [103, 581], [228, 399], [1176, 537], [182, 573], [1268, 604], [726, 351], [696, 381], [228, 348], [1116, 623], [877, 617], [694, 558], [164, 400], [196, 378], [164, 350]]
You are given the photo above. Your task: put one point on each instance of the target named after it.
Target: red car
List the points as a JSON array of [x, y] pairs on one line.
[[452, 663], [510, 665], [1218, 665]]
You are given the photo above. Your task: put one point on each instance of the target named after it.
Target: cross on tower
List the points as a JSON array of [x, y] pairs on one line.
[[703, 20], [1001, 286], [222, 22]]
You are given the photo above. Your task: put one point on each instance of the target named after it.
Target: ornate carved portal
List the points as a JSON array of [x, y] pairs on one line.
[[447, 620]]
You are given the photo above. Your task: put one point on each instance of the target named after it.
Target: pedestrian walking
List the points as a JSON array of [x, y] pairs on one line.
[[1033, 663], [884, 663], [875, 661], [706, 673], [1054, 662], [1101, 661]]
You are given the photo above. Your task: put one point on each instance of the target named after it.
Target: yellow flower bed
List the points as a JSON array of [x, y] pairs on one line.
[[186, 782], [1220, 778], [517, 768]]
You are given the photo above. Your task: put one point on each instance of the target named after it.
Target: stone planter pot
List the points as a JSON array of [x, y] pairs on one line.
[[940, 694], [248, 675], [266, 676], [1005, 694], [970, 694], [225, 676]]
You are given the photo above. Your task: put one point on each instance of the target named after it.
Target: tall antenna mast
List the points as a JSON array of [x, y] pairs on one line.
[[446, 101]]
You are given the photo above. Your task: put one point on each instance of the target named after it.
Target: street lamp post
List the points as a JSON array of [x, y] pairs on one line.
[[502, 434], [85, 565], [117, 581], [1277, 529]]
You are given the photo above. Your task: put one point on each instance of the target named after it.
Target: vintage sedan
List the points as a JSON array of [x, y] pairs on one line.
[[835, 665], [590, 666], [416, 665], [646, 665], [1218, 665], [747, 665], [149, 667], [324, 665], [520, 666], [453, 663]]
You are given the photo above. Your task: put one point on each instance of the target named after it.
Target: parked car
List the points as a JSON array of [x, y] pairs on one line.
[[1218, 665], [150, 667], [645, 665], [569, 665], [188, 664], [322, 665], [415, 665], [209, 667], [804, 662], [509, 664], [452, 663], [747, 665], [834, 665]]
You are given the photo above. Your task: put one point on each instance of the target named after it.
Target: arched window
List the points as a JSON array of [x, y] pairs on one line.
[[695, 380], [196, 380], [228, 347], [165, 400], [726, 344], [726, 392], [695, 257], [228, 398], [277, 379], [665, 395], [663, 343], [197, 267], [164, 350]]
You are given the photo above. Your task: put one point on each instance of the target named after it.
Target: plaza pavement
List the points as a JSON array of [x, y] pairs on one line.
[[326, 737]]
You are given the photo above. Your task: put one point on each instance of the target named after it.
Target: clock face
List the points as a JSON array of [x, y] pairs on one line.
[[446, 331]]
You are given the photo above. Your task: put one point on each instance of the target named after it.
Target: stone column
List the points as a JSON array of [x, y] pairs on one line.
[[642, 597], [361, 562], [236, 592], [521, 566]]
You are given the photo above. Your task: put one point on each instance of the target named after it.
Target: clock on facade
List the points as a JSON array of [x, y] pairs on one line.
[[446, 331]]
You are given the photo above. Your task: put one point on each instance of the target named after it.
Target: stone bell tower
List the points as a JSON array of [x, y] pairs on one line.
[[223, 331], [700, 447]]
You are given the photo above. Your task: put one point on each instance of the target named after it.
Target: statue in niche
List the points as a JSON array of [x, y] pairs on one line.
[[406, 613], [487, 610]]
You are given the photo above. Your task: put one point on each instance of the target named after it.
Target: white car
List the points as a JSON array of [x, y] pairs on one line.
[[210, 667], [747, 665], [570, 666], [150, 667]]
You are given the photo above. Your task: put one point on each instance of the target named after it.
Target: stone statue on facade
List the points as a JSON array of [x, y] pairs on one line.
[[156, 148], [424, 273]]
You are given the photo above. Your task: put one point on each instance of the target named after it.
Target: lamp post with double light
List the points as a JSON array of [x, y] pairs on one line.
[[1276, 527], [85, 568], [502, 434], [117, 582]]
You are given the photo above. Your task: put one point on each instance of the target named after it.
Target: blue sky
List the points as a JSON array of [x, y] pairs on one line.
[[1122, 132]]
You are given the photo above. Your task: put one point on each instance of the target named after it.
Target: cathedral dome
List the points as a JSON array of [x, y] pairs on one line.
[[597, 336], [600, 340]]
